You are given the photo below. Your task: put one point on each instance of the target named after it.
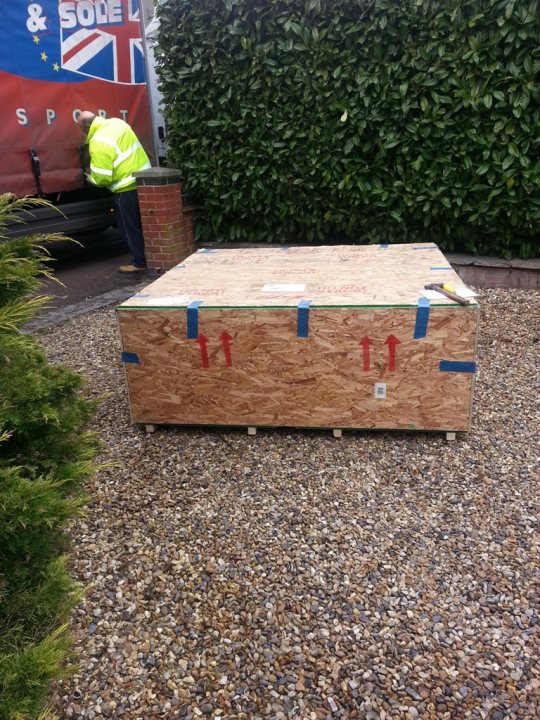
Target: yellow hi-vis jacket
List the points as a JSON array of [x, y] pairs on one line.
[[115, 154]]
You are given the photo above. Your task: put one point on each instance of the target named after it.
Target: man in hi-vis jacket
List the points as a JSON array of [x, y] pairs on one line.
[[115, 154]]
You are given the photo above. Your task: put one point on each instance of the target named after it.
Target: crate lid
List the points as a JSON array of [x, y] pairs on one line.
[[326, 276]]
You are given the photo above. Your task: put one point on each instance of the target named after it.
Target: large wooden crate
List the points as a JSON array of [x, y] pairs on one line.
[[338, 337]]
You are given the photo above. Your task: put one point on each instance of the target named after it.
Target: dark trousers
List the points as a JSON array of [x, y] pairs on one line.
[[129, 224]]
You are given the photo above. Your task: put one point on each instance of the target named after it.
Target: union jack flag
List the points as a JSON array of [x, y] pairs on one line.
[[110, 51]]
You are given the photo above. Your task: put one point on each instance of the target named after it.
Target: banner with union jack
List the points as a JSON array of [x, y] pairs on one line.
[[58, 57], [106, 48], [68, 40]]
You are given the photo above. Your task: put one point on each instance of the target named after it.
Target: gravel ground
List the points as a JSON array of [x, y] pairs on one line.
[[295, 575]]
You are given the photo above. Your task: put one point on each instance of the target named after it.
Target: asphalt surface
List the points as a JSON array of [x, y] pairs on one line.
[[86, 278], [88, 271]]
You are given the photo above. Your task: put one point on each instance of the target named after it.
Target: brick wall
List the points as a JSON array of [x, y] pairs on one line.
[[167, 224]]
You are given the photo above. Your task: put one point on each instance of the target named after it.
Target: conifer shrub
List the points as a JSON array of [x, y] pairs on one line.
[[45, 455]]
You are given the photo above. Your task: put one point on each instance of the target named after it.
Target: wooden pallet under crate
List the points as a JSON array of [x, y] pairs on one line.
[[318, 337]]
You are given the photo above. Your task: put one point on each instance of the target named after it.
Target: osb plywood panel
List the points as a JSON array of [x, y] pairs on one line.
[[249, 367], [280, 277]]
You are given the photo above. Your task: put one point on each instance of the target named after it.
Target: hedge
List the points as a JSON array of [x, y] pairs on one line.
[[372, 120]]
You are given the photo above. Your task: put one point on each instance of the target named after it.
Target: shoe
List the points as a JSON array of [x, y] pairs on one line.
[[130, 269]]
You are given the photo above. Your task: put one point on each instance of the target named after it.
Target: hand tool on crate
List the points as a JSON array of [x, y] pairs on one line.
[[447, 290]]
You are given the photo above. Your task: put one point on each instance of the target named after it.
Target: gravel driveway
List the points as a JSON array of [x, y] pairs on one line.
[[295, 575]]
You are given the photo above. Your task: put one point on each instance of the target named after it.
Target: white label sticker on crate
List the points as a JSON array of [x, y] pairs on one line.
[[463, 292], [169, 300], [380, 391], [283, 287]]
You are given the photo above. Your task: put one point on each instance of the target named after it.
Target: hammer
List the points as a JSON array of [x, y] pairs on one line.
[[441, 289]]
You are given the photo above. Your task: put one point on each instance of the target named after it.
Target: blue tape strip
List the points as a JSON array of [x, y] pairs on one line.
[[193, 319], [141, 295], [284, 248], [302, 320], [383, 246], [457, 366], [422, 318], [128, 357], [431, 247], [441, 268]]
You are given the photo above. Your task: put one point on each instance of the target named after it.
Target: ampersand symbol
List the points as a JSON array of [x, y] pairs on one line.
[[35, 20]]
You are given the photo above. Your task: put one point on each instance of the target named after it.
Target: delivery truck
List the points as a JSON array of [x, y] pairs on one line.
[[58, 57]]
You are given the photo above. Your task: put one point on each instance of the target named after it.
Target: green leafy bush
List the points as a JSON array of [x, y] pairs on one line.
[[45, 454], [369, 119]]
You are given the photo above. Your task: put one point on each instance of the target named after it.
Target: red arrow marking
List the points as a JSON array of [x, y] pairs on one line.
[[392, 341], [202, 341], [226, 342], [365, 342]]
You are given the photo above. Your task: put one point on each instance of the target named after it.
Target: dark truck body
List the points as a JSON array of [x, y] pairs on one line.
[[58, 57]]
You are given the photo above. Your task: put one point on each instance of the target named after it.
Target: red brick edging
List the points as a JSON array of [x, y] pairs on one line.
[[496, 273]]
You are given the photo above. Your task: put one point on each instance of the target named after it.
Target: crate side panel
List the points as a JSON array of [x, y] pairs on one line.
[[248, 367]]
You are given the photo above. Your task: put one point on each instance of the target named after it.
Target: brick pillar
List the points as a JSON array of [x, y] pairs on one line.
[[167, 225]]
